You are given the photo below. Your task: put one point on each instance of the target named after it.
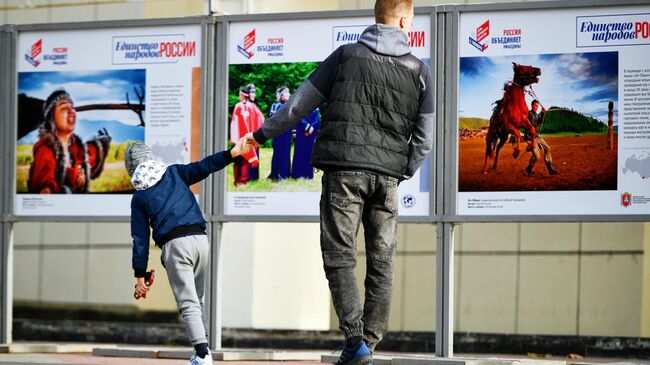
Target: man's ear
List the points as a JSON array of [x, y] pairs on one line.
[[402, 22]]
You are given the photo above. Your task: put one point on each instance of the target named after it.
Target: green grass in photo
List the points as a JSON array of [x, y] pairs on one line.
[[113, 178], [22, 175], [24, 155], [266, 185]]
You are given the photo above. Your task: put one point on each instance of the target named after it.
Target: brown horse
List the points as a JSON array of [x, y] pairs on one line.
[[511, 114]]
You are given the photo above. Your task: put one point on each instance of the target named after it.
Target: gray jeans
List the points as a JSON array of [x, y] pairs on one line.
[[186, 262], [348, 199]]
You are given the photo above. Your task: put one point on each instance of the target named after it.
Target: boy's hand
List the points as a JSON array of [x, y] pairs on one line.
[[240, 148], [250, 140], [141, 287]]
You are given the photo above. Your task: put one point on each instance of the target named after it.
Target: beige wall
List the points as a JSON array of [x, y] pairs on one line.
[[530, 278], [81, 263], [273, 277], [546, 278]]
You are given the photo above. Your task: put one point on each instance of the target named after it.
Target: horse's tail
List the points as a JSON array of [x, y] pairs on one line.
[[490, 138], [492, 133]]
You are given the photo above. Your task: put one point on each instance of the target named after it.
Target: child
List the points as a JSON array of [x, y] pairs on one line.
[[163, 200]]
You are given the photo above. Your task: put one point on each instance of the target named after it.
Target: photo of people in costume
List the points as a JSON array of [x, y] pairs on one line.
[[543, 122], [73, 128], [256, 92]]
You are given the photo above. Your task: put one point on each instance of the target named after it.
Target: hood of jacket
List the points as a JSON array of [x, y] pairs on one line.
[[385, 39], [147, 174]]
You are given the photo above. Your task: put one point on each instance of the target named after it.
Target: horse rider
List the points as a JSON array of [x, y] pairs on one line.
[[537, 120]]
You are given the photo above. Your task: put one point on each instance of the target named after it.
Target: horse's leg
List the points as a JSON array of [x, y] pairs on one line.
[[531, 129], [503, 138], [517, 134], [488, 149]]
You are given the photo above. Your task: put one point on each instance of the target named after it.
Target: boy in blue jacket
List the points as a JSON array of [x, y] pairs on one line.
[[164, 202]]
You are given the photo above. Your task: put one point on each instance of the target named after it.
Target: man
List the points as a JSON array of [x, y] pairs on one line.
[[376, 131], [244, 120], [537, 120], [62, 162], [281, 161]]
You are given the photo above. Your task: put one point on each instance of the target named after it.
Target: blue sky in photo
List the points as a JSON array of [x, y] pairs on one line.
[[91, 87], [584, 82]]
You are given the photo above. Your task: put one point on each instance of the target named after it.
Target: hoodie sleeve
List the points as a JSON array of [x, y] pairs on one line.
[[311, 94], [197, 171], [421, 141], [140, 235]]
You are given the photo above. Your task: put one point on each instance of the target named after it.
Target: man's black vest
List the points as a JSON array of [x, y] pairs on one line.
[[370, 113]]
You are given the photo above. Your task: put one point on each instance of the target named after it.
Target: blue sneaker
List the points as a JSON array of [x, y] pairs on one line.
[[358, 354]]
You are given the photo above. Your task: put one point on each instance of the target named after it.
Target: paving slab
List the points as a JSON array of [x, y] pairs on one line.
[[23, 348], [185, 353], [268, 355], [50, 347], [76, 348], [423, 360], [607, 362], [25, 359], [220, 355], [80, 359], [147, 353], [376, 359]]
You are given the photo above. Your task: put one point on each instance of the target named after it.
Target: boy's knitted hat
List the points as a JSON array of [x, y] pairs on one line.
[[136, 154]]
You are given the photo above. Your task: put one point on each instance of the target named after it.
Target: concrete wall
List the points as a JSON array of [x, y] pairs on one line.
[[81, 263], [587, 279], [546, 278], [533, 278], [553, 278]]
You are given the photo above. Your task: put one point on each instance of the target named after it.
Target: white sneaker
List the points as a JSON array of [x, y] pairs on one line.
[[195, 360]]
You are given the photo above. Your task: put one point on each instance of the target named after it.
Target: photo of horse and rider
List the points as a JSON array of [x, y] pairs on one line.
[[283, 164], [535, 123]]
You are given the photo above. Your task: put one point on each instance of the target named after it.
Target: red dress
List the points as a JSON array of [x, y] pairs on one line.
[[246, 118]]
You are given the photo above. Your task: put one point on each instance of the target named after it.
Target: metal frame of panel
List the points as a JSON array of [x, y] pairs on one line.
[[221, 110], [7, 67], [8, 97], [451, 118], [202, 21], [449, 219]]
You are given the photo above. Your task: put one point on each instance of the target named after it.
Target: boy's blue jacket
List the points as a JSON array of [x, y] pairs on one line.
[[169, 204]]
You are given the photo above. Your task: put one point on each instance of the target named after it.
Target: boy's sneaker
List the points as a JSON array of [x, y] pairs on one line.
[[195, 360], [358, 354]]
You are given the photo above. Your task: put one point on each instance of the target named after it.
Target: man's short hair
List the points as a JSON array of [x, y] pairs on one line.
[[387, 10], [534, 102]]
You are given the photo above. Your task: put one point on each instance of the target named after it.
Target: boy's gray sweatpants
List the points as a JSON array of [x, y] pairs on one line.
[[186, 262]]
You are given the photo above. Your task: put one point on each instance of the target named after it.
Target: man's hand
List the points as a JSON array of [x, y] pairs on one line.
[[308, 131], [250, 140], [241, 147], [141, 288]]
